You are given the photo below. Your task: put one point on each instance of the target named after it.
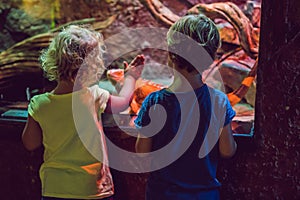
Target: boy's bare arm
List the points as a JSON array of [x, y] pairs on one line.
[[119, 103], [32, 134], [227, 144]]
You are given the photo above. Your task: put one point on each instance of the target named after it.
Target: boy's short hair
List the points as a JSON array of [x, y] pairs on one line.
[[197, 27], [73, 48]]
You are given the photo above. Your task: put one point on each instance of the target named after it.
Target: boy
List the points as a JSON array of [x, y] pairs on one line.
[[193, 174]]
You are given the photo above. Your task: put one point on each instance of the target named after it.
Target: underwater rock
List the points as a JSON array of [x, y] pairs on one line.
[[156, 71], [252, 10], [5, 40], [243, 109], [233, 73], [19, 22], [230, 73], [227, 32]]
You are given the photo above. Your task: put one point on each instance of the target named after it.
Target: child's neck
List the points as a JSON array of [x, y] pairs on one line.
[[64, 87], [185, 81]]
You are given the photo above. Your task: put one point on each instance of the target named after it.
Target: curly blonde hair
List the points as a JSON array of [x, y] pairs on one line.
[[75, 51]]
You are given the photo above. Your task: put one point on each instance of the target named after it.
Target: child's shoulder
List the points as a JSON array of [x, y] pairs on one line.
[[157, 94], [155, 97], [97, 91], [217, 95], [38, 101], [217, 92], [40, 97]]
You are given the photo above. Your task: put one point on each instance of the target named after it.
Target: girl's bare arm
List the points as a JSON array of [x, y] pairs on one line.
[[32, 134], [119, 103]]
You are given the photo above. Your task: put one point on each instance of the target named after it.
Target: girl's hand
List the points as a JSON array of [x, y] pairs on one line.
[[136, 66]]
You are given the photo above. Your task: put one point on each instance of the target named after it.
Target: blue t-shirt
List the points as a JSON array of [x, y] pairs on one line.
[[189, 117]]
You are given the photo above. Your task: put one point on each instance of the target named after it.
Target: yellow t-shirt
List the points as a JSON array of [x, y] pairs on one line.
[[74, 144]]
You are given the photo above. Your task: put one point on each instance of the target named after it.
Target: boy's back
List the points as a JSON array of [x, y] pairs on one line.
[[188, 173]]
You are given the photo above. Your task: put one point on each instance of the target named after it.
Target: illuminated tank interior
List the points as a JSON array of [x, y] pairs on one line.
[[28, 26]]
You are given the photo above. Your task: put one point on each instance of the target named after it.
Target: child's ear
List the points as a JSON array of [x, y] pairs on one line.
[[74, 74], [170, 60]]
